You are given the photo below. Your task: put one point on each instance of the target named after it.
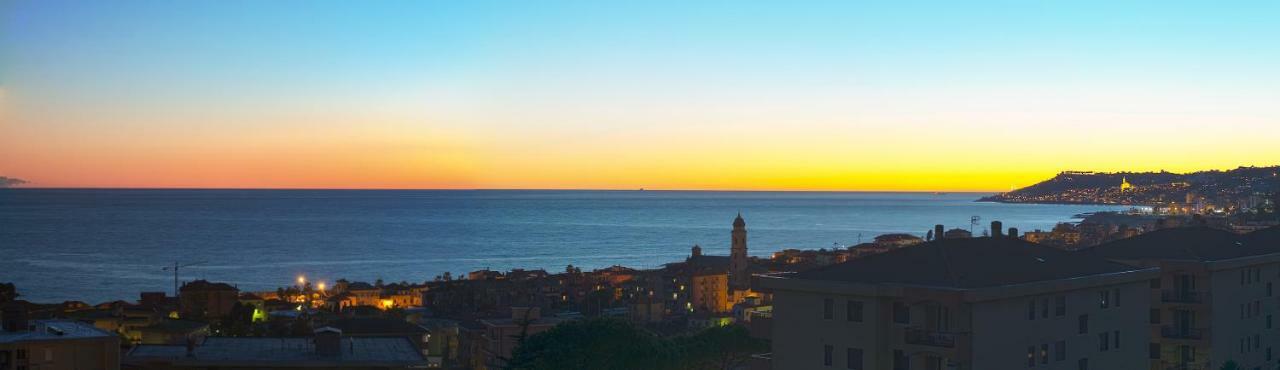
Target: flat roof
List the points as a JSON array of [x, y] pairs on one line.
[[243, 351], [55, 330]]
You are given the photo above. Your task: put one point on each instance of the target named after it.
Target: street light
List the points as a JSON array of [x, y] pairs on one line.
[[301, 280], [320, 286]]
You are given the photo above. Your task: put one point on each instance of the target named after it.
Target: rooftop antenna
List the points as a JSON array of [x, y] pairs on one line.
[[176, 266]]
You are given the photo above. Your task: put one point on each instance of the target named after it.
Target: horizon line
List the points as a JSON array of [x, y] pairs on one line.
[[503, 189]]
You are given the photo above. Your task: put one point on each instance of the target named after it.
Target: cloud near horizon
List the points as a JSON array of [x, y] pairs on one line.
[[6, 182]]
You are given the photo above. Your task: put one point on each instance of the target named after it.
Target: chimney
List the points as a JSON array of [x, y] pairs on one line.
[[697, 251], [14, 318], [1013, 232], [328, 342], [997, 229], [937, 232]]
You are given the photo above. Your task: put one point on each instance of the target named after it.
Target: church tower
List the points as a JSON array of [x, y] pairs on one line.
[[738, 277]]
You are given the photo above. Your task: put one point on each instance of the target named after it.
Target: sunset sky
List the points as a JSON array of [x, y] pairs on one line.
[[840, 95]]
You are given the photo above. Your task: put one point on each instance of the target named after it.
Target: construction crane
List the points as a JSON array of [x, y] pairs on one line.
[[176, 266]]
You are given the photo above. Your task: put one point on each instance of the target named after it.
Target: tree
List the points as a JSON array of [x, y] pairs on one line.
[[607, 343], [593, 344], [721, 348], [1230, 365]]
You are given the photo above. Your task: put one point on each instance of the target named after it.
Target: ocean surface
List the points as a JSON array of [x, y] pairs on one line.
[[97, 245]]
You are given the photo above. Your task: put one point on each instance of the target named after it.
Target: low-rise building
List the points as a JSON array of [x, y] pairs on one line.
[[202, 299], [328, 349], [55, 344], [501, 335]]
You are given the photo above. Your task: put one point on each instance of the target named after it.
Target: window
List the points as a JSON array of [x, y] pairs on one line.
[[1268, 321], [1060, 351], [1256, 341], [853, 358], [1115, 339], [1083, 364], [1153, 351], [1242, 277], [828, 308], [1268, 289], [1031, 356], [1104, 341], [1155, 316], [826, 355], [1044, 353], [1268, 353], [1103, 297], [1084, 324], [901, 313], [1115, 298], [1060, 306], [1031, 309], [853, 311], [900, 360]]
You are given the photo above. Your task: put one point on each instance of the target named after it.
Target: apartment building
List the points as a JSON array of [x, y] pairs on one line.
[[965, 304], [1215, 298]]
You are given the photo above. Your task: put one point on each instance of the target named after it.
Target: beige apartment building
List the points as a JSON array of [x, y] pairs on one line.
[[56, 345], [965, 304], [1214, 300]]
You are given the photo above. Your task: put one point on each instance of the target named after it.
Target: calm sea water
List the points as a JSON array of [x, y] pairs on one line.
[[99, 245]]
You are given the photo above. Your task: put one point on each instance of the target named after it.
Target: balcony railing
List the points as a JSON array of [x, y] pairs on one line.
[[1186, 367], [1184, 296], [929, 338], [1173, 332]]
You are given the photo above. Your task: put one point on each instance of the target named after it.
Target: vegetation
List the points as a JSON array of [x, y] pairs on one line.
[[616, 344], [1230, 365]]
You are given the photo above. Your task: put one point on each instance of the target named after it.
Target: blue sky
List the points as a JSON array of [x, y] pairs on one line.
[[500, 87]]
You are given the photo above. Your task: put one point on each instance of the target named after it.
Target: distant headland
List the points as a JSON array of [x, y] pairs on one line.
[[1242, 187]]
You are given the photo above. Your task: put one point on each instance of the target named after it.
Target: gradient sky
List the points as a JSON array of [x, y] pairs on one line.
[[841, 95]]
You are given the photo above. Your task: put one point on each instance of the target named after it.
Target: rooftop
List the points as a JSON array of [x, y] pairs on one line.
[[1190, 244], [376, 325], [246, 351], [207, 285], [970, 263], [55, 330]]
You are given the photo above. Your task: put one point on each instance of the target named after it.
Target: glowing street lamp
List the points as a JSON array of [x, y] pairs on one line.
[[301, 280], [320, 286]]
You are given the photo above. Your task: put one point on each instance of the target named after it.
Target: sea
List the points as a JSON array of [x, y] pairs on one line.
[[97, 245]]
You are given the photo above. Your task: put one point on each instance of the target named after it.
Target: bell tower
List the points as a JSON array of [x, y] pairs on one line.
[[738, 276]]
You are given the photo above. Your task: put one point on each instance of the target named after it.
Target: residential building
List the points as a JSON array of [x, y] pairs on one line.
[[967, 304], [1215, 298], [501, 335], [202, 299], [328, 349], [55, 344]]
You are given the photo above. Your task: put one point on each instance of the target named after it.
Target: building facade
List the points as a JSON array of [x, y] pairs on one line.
[[967, 304]]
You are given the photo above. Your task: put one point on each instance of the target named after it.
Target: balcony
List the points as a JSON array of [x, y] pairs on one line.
[[1172, 332], [1184, 296], [929, 338]]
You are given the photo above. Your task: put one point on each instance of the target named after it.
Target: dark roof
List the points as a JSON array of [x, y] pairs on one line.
[[207, 286], [376, 326], [360, 285], [969, 263], [176, 326], [1196, 243]]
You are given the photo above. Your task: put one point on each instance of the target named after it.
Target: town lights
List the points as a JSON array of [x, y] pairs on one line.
[[302, 280], [320, 286]]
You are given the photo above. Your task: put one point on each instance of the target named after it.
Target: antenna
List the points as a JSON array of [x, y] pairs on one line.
[[176, 266], [973, 222]]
